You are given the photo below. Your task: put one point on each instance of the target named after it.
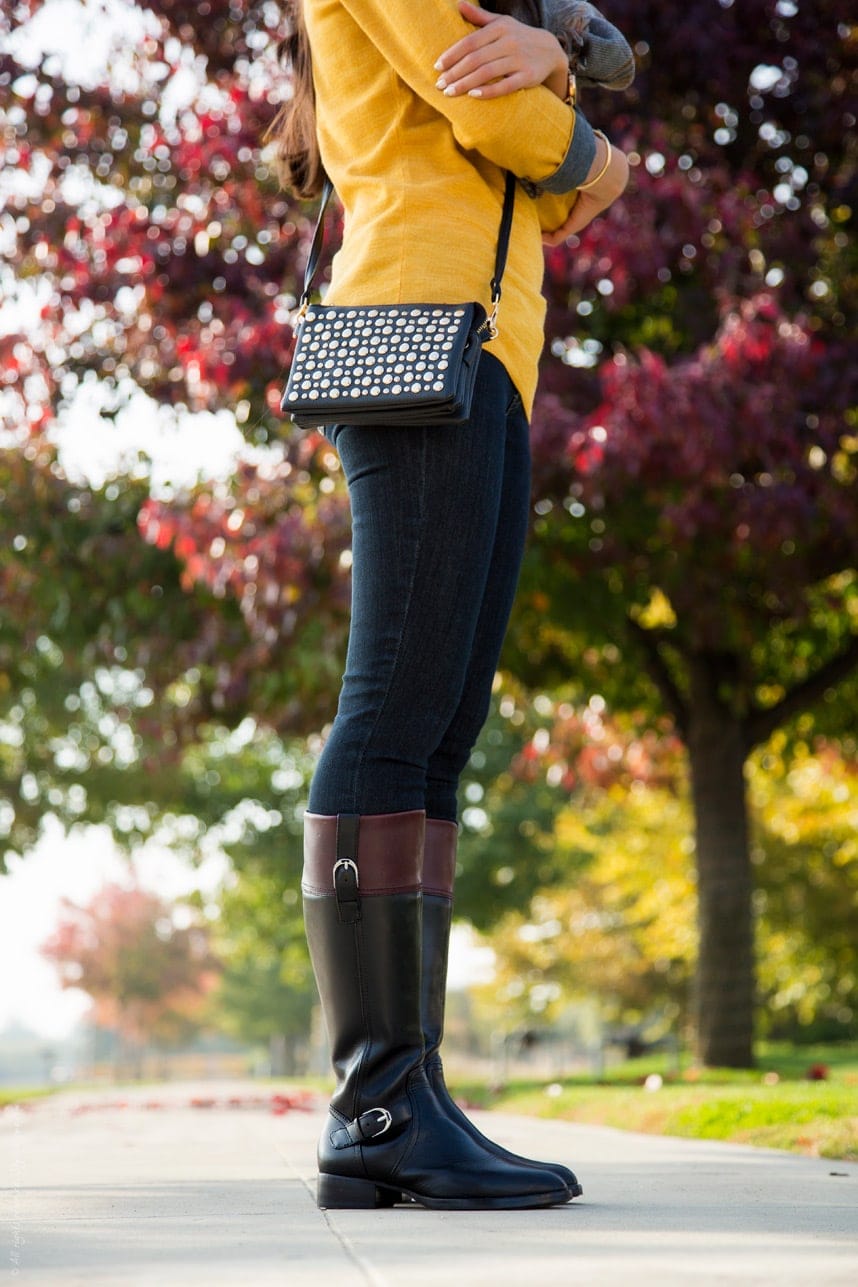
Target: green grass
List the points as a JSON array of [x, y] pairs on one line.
[[14, 1094], [818, 1118]]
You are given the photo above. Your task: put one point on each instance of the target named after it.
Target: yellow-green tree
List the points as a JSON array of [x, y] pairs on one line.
[[615, 915]]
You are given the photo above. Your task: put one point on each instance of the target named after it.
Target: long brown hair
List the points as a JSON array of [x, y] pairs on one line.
[[299, 164]]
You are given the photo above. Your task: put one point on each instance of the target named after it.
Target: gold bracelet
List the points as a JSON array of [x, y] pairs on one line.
[[583, 187]]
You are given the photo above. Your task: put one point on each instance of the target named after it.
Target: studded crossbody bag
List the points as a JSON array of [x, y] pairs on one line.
[[398, 364]]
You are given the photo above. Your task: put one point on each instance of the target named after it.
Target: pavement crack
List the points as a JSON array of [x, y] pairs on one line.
[[363, 1266]]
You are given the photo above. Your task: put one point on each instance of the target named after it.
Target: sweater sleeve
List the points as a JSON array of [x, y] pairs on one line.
[[599, 54], [554, 208], [531, 132]]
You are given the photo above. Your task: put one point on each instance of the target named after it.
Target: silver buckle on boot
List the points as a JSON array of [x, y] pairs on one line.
[[386, 1122], [345, 864], [347, 890], [354, 1133]]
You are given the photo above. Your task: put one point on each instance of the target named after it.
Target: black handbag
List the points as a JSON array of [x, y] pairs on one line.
[[398, 364]]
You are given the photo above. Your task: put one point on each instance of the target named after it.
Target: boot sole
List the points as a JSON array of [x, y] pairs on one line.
[[340, 1192]]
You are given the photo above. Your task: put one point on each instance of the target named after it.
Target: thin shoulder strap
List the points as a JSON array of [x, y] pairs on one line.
[[500, 258], [316, 247], [503, 247]]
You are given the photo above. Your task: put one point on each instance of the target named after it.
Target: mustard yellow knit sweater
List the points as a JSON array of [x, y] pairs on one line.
[[420, 175]]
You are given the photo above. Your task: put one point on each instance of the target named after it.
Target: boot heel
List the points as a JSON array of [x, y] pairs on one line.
[[340, 1192]]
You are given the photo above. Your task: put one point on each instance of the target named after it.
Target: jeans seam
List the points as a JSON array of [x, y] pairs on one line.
[[408, 607]]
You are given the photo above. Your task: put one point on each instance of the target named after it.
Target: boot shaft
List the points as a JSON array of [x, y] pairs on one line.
[[439, 871], [387, 1135], [362, 913]]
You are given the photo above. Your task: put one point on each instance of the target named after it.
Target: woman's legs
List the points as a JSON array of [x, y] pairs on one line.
[[451, 755], [439, 517]]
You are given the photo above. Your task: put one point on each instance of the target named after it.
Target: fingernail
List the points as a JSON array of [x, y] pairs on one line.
[[475, 93], [450, 91], [440, 83], [439, 66]]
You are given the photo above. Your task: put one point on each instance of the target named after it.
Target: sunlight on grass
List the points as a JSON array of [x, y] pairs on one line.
[[776, 1105]]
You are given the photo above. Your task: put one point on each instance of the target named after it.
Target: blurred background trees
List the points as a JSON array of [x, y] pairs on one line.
[[668, 771], [146, 966]]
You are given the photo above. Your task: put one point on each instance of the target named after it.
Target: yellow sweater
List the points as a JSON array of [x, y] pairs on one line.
[[420, 175]]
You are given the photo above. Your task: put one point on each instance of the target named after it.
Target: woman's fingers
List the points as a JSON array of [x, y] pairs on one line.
[[501, 56], [474, 41], [470, 54], [490, 79], [473, 13], [497, 88]]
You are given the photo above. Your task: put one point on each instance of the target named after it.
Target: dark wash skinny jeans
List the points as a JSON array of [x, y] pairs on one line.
[[439, 518]]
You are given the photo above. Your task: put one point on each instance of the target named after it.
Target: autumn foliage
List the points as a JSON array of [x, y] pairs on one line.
[[695, 523], [147, 976]]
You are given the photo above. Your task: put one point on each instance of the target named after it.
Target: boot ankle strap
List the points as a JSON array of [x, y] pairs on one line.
[[370, 1126]]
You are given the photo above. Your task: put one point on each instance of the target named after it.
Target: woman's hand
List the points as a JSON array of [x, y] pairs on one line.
[[597, 199], [501, 56]]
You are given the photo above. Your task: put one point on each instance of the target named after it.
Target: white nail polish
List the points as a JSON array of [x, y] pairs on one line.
[[439, 66], [440, 83], [450, 91], [475, 93]]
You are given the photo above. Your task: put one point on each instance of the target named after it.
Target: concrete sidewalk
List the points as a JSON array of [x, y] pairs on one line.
[[98, 1188]]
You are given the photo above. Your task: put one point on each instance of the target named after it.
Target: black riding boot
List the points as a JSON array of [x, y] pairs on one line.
[[439, 869], [386, 1135]]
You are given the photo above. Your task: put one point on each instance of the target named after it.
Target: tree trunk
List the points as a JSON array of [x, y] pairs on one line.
[[724, 1000], [277, 1054]]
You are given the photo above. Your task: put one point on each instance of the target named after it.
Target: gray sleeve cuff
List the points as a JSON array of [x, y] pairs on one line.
[[609, 60], [598, 53], [575, 166]]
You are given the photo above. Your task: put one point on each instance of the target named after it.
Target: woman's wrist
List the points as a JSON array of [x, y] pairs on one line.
[[601, 162]]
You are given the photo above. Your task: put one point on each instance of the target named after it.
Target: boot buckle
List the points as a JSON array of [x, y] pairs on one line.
[[363, 1129], [385, 1125], [346, 882], [346, 863]]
